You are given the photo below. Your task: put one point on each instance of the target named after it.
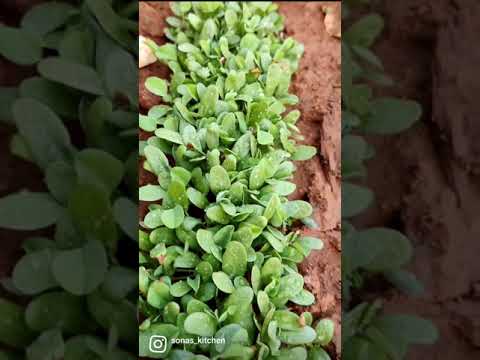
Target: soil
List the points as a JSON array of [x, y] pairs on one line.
[[317, 84], [427, 179]]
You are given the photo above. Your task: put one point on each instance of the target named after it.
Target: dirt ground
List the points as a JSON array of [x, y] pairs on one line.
[[317, 84], [427, 179]]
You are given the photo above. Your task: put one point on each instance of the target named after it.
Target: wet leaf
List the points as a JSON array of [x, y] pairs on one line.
[[173, 218], [222, 282], [200, 324], [235, 259]]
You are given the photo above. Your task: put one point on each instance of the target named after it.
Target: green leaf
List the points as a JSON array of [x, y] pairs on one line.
[[78, 46], [222, 281], [406, 282], [169, 135], [157, 161], [200, 324], [303, 298], [151, 193], [298, 209], [28, 211], [325, 329], [379, 249], [13, 330], [407, 328], [304, 152], [110, 21], [305, 335], [99, 168], [235, 259], [58, 309], [19, 46], [8, 96], [125, 212], [391, 116], [32, 274], [48, 346], [61, 99], [173, 218], [355, 199], [48, 139], [157, 86], [180, 288], [197, 198], [44, 18], [218, 179], [365, 31], [264, 138], [77, 76], [92, 218], [81, 271]]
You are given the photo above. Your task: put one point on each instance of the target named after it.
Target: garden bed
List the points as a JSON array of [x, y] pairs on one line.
[[317, 84]]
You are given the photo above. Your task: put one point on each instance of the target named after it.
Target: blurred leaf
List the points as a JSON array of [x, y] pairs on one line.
[[355, 199], [98, 168], [390, 116], [47, 139], [61, 99], [110, 21], [71, 74], [7, 98], [48, 346], [13, 330], [125, 212], [28, 211], [81, 271], [19, 46], [77, 45], [365, 31], [44, 18], [58, 309]]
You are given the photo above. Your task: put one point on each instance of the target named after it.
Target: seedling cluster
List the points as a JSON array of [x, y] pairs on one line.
[[218, 253]]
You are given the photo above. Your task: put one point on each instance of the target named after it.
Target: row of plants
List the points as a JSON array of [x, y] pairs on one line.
[[218, 246], [374, 254], [76, 120]]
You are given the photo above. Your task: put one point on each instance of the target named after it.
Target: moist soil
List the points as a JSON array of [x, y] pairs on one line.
[[317, 84], [426, 180]]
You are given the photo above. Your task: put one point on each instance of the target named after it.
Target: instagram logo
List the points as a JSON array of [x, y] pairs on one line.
[[158, 344]]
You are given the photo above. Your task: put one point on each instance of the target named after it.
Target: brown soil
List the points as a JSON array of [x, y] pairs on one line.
[[317, 84], [428, 49]]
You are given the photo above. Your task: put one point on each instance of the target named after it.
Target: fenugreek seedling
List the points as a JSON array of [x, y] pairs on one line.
[[218, 257]]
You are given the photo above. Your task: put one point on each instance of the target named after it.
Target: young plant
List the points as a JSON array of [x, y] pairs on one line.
[[76, 121], [367, 333], [218, 257]]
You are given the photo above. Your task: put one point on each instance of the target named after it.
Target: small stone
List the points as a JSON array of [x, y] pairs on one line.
[[333, 20], [145, 54]]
